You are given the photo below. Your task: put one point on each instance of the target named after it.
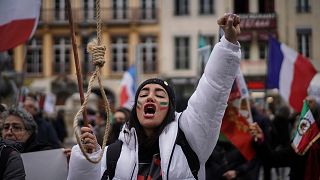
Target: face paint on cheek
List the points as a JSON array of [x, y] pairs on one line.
[[164, 105], [139, 104]]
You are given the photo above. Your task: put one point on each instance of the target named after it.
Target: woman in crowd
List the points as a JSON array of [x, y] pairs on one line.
[[150, 147]]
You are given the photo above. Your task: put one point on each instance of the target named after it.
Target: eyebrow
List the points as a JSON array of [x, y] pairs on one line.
[[156, 89], [12, 124]]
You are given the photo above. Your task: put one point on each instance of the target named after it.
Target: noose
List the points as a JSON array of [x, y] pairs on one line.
[[97, 52]]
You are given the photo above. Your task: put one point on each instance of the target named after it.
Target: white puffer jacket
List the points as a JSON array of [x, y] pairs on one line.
[[200, 123]]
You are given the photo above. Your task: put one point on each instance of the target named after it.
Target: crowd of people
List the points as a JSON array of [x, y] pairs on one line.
[[153, 141]]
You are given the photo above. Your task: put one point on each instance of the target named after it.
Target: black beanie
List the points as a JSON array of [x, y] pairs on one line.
[[162, 83], [150, 142]]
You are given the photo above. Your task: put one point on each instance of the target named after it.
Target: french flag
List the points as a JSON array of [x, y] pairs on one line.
[[128, 88], [290, 72], [18, 21]]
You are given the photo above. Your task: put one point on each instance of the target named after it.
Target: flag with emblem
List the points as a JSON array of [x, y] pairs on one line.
[[235, 123], [307, 131]]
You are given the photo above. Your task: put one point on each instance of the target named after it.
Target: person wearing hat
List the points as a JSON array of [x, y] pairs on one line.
[[19, 126], [149, 141]]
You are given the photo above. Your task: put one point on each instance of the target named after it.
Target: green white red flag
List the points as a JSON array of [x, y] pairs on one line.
[[307, 131]]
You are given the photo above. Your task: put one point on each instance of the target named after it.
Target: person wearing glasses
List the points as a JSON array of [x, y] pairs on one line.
[[19, 126]]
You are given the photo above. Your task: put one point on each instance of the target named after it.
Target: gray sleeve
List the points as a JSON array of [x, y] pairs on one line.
[[14, 168]]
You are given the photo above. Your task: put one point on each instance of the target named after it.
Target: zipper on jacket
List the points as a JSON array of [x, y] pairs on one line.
[[133, 170], [170, 160], [174, 146]]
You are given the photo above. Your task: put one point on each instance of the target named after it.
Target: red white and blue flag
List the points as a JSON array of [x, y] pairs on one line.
[[18, 21], [128, 88], [290, 72]]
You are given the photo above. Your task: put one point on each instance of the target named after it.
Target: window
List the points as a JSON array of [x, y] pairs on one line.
[[87, 65], [181, 7], [241, 6], [34, 57], [89, 10], [120, 8], [206, 7], [62, 53], [263, 49], [266, 6], [182, 52], [304, 41], [59, 9], [148, 9], [245, 50], [303, 6], [119, 54], [149, 54]]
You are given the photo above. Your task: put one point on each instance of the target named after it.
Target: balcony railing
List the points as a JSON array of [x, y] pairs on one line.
[[108, 15]]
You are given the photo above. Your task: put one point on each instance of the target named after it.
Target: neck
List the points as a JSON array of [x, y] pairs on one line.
[[149, 132]]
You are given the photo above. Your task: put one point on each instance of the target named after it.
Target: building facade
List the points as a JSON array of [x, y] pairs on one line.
[[128, 27], [164, 39]]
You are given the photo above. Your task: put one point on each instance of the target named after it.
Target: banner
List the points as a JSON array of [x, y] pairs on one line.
[[48, 165]]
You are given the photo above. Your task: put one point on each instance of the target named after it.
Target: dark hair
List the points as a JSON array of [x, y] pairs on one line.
[[125, 111], [2, 108], [143, 139]]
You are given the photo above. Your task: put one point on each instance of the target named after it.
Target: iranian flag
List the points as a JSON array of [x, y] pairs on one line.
[[307, 131], [18, 21]]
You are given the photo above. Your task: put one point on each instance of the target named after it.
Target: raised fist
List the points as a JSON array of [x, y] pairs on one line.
[[230, 23]]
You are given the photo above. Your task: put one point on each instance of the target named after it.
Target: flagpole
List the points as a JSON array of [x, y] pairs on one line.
[[139, 68], [76, 60], [266, 77], [19, 86]]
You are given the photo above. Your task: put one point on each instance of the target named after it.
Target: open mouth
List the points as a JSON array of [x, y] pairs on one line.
[[149, 110]]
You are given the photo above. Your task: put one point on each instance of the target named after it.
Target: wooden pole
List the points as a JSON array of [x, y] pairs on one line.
[[76, 60]]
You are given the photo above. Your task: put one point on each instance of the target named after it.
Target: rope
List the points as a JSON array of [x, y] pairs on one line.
[[97, 51]]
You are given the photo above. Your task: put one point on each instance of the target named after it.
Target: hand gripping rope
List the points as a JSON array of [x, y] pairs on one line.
[[97, 52]]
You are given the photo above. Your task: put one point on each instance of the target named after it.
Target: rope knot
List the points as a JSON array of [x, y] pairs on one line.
[[97, 53]]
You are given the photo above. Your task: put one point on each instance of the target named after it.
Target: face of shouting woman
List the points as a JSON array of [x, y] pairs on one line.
[[152, 107]]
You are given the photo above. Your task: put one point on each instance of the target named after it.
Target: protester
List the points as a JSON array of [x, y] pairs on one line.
[[46, 131], [19, 126], [227, 162], [149, 146], [2, 110], [60, 126], [301, 166], [120, 117], [11, 164], [100, 126]]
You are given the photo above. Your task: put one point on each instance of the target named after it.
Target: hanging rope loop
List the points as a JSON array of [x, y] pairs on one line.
[[97, 53]]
